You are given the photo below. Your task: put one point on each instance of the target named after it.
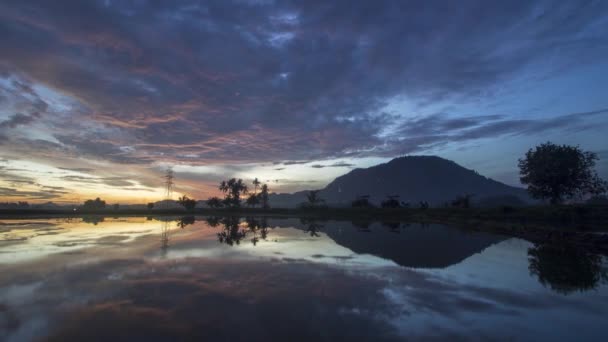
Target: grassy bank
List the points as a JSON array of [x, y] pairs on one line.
[[563, 217]]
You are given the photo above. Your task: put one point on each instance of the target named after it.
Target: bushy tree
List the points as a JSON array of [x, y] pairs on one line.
[[95, 204], [559, 172], [390, 202], [215, 202], [361, 202], [150, 205], [187, 203], [313, 200], [253, 200]]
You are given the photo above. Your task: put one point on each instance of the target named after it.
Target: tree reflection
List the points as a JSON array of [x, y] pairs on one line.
[[231, 232], [185, 221], [93, 219], [213, 221], [362, 225], [312, 226], [255, 226], [566, 268], [393, 226]]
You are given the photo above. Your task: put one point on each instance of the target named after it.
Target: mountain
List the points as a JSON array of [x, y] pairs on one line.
[[413, 178]]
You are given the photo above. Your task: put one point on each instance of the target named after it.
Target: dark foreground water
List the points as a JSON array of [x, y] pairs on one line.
[[127, 279]]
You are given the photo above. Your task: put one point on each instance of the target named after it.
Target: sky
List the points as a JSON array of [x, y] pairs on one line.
[[98, 98]]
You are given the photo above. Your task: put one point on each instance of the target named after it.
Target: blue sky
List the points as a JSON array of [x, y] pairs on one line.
[[99, 97]]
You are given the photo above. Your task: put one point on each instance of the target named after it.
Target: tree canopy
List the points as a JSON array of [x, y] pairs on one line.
[[559, 172]]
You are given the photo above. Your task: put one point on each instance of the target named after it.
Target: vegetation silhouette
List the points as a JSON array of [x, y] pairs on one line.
[[264, 196], [253, 200], [566, 268], [560, 172], [313, 200], [362, 202], [393, 226], [215, 202], [188, 203], [391, 201], [312, 226], [257, 225], [96, 204], [463, 201], [231, 233], [94, 220], [150, 206], [185, 221], [213, 221], [233, 189]]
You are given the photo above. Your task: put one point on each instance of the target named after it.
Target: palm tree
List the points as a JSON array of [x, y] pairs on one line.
[[264, 196], [256, 183], [233, 189]]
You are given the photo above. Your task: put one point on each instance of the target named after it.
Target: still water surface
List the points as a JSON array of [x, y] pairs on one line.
[[236, 279]]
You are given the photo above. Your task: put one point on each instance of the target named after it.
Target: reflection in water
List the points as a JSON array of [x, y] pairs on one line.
[[311, 226], [93, 219], [566, 268], [164, 238], [322, 280], [231, 233]]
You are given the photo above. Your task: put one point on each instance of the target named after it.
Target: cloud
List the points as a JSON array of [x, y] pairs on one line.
[[143, 84], [337, 164]]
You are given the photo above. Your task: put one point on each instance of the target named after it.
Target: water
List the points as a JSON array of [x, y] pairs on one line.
[[290, 279]]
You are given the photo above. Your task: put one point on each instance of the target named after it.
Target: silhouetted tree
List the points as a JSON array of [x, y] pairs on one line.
[[95, 204], [150, 205], [231, 233], [185, 221], [213, 221], [252, 200], [313, 200], [361, 202], [23, 205], [264, 196], [116, 206], [233, 189], [312, 226], [214, 202], [463, 201], [424, 205], [558, 172], [187, 203], [566, 268], [391, 202], [256, 183]]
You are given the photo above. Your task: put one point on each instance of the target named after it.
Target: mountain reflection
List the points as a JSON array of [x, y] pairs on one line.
[[565, 268]]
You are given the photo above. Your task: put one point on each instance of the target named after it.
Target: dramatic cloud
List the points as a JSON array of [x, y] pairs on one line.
[[243, 82]]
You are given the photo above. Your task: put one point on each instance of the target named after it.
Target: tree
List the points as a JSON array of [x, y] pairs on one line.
[[264, 196], [150, 205], [558, 172], [361, 202], [463, 201], [252, 200], [214, 202], [187, 203], [313, 198], [256, 183], [391, 202], [95, 204], [232, 190], [116, 206]]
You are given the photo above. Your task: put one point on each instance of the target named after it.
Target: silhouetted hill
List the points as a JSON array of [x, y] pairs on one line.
[[413, 178]]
